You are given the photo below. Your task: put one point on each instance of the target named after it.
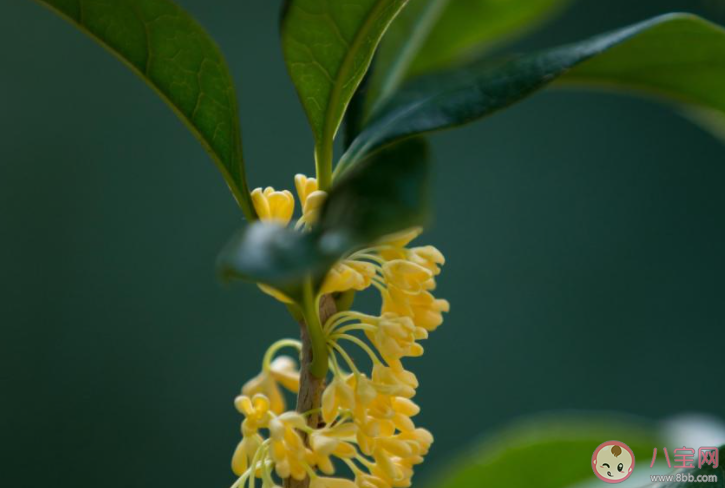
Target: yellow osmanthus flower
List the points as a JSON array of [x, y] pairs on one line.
[[282, 371], [425, 309], [368, 418], [273, 205], [395, 410], [401, 239], [275, 293], [395, 336], [394, 380], [305, 187], [287, 450], [429, 257], [338, 395], [348, 275], [332, 483], [364, 480], [245, 452], [311, 198], [365, 392], [408, 276], [312, 207], [332, 441], [256, 411]]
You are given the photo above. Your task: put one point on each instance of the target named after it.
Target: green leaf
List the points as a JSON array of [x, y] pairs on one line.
[[384, 194], [469, 27], [328, 46], [677, 56], [709, 119], [267, 253], [432, 34], [546, 452], [171, 52], [399, 48]]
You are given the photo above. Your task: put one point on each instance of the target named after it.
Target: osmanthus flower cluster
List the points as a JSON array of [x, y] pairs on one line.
[[367, 421]]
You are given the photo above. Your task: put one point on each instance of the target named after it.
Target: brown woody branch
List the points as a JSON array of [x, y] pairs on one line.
[[311, 387]]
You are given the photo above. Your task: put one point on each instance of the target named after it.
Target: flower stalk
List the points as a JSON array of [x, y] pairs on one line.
[[323, 165], [313, 325], [309, 398]]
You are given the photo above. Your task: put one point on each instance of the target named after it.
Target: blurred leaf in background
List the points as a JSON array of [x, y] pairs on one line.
[[555, 451], [434, 34], [679, 57]]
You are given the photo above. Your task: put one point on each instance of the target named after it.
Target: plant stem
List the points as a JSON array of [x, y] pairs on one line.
[[309, 399], [323, 165], [311, 314]]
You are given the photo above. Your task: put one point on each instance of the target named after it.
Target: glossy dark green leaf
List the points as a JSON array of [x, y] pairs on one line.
[[384, 194], [270, 254], [678, 56], [432, 34], [171, 52], [545, 453], [328, 46]]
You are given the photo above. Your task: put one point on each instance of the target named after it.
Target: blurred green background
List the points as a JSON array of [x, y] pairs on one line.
[[584, 235]]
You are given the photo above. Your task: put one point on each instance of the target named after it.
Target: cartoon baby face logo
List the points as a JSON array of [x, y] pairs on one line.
[[613, 461]]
